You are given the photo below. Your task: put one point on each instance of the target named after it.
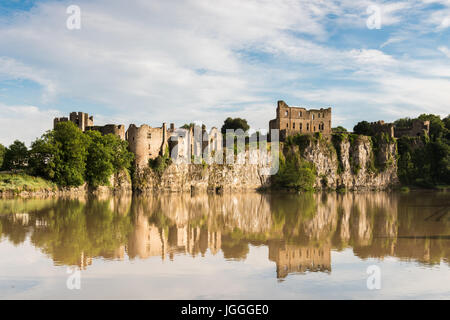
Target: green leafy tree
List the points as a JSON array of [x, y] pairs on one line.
[[71, 153], [236, 123], [42, 156], [403, 123], [16, 156], [2, 154], [363, 128], [338, 129], [122, 158], [99, 161], [437, 126]]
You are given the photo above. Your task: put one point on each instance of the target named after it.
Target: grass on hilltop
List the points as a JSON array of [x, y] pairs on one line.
[[19, 182]]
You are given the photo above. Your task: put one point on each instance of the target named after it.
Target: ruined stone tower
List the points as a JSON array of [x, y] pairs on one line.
[[293, 120]]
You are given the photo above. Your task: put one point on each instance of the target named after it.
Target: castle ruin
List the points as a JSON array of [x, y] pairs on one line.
[[85, 122], [293, 120], [417, 129]]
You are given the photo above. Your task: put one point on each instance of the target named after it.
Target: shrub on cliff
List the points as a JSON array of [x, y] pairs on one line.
[[295, 173]]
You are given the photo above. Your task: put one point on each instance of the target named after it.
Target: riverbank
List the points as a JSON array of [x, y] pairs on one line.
[[26, 186]]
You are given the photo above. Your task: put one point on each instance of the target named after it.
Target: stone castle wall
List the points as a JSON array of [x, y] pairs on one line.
[[293, 120]]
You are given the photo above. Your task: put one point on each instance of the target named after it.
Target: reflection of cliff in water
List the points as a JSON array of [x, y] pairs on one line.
[[299, 230]]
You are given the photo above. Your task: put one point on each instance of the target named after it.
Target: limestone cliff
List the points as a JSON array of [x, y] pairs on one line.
[[353, 164], [197, 177]]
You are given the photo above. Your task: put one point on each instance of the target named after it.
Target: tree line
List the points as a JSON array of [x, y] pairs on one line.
[[69, 157]]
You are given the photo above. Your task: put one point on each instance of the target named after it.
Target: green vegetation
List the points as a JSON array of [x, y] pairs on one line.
[[295, 173], [363, 128], [22, 182], [338, 129], [160, 163], [2, 154], [15, 156], [235, 124], [425, 161], [68, 157]]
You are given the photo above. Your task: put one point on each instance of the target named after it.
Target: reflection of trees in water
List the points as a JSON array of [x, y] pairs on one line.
[[299, 229], [73, 231]]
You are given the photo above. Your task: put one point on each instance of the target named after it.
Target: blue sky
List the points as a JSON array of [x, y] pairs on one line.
[[143, 61]]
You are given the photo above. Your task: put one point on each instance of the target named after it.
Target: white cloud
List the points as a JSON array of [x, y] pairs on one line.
[[445, 51], [25, 123], [179, 61]]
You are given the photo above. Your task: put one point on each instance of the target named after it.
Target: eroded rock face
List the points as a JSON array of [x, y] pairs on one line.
[[197, 177], [355, 171]]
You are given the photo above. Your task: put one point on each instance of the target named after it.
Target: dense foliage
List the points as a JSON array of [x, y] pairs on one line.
[[15, 156], [2, 154], [235, 124], [295, 172], [425, 161], [338, 129], [364, 128], [69, 157]]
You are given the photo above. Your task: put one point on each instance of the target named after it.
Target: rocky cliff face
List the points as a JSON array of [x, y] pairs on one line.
[[355, 165], [197, 177], [348, 165]]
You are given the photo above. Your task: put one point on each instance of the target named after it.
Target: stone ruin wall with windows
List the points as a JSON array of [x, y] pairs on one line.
[[293, 120]]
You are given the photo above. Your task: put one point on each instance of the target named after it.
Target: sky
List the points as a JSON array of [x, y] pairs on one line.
[[149, 61]]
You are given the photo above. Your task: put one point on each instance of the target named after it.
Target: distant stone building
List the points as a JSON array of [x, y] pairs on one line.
[[418, 128], [293, 120], [85, 122]]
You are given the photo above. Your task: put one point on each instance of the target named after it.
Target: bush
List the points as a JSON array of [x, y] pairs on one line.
[[295, 173], [160, 163]]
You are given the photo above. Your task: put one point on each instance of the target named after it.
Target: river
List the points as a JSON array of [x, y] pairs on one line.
[[374, 245]]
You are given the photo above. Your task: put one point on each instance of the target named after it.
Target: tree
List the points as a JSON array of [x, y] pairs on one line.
[[2, 154], [70, 154], [16, 156], [363, 128], [235, 124], [437, 126], [338, 129], [403, 123], [106, 155], [42, 156], [99, 167], [121, 157]]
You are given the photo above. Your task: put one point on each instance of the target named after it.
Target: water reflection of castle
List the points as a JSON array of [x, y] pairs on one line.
[[299, 230], [149, 241], [294, 259]]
